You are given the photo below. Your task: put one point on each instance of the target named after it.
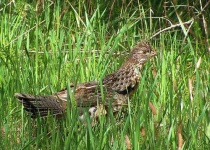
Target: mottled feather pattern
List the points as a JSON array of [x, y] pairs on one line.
[[127, 76], [117, 88]]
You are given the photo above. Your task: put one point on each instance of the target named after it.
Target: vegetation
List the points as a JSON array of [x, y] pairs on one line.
[[46, 45]]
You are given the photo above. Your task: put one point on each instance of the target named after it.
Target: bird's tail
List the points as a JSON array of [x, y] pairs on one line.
[[41, 105]]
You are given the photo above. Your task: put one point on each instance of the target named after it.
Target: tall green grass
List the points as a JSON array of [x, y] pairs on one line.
[[41, 53]]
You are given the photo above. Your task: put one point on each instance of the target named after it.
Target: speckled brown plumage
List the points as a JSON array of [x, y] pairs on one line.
[[117, 87], [126, 78]]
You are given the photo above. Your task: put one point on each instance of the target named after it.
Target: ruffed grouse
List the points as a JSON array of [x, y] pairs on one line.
[[117, 88]]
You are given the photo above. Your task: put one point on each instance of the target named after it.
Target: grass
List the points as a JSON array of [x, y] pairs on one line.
[[40, 53]]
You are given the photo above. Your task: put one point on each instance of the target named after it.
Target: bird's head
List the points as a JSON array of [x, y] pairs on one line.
[[142, 52]]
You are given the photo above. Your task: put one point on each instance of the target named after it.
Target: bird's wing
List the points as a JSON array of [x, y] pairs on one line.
[[87, 94]]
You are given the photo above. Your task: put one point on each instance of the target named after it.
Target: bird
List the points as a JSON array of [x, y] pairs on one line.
[[114, 91]]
